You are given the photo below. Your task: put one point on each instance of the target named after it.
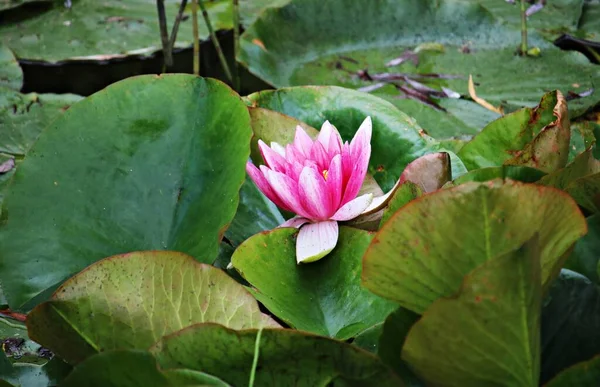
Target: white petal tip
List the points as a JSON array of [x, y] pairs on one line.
[[315, 241]]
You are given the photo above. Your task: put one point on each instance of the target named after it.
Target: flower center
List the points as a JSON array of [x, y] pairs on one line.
[[325, 174]]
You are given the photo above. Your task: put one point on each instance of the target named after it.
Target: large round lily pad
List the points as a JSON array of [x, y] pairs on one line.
[[141, 165], [285, 358], [324, 297], [428, 246], [131, 301]]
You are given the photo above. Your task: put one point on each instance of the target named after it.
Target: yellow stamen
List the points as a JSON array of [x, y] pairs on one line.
[[325, 174]]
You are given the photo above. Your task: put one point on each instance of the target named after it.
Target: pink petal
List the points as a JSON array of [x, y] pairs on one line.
[[347, 165], [359, 171], [353, 208], [330, 138], [293, 155], [263, 185], [302, 141], [294, 222], [273, 159], [314, 196], [286, 190], [278, 148], [335, 181], [362, 138], [316, 240], [319, 155]]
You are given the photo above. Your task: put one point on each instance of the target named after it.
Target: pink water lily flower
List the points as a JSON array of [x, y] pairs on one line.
[[319, 181]]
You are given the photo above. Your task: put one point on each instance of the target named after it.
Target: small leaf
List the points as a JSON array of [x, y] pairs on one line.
[[537, 138], [495, 315], [324, 297], [286, 358], [426, 247], [130, 301]]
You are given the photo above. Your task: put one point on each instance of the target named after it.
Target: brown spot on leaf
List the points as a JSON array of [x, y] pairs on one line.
[[259, 43]]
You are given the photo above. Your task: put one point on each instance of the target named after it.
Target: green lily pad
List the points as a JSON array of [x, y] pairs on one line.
[[570, 323], [325, 297], [285, 358], [496, 315], [97, 31], [11, 75], [251, 9], [129, 168], [414, 259], [340, 40], [586, 254], [397, 139], [24, 116], [130, 301], [586, 373], [132, 368], [537, 138]]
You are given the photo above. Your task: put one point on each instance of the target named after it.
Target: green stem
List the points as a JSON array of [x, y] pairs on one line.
[[196, 37], [164, 35], [176, 25], [523, 27], [215, 41], [255, 360], [236, 44]]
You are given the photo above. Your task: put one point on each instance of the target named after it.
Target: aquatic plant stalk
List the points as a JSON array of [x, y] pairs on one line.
[[196, 37], [215, 41], [523, 28], [164, 34], [236, 44]]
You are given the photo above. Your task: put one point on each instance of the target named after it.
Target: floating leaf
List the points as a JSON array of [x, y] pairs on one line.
[[324, 297], [23, 117], [537, 138], [130, 168], [414, 258], [570, 323], [97, 31], [130, 301], [11, 75], [397, 139], [286, 357], [496, 314]]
